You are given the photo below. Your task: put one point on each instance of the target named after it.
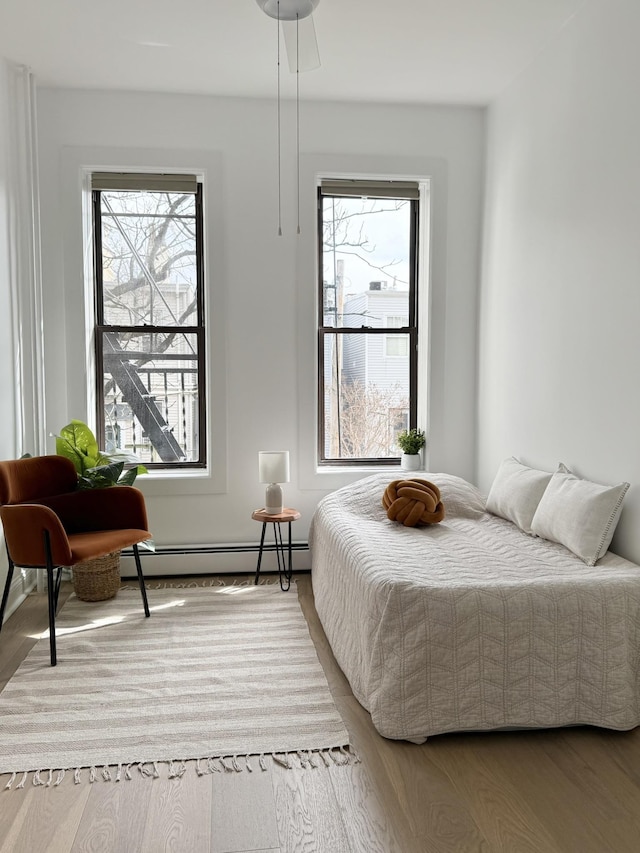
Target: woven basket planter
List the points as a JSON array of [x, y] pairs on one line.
[[97, 579]]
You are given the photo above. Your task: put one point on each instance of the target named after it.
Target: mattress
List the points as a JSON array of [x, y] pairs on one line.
[[471, 624]]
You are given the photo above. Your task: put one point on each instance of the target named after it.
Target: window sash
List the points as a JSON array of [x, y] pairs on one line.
[[105, 359], [323, 458], [328, 188], [197, 330]]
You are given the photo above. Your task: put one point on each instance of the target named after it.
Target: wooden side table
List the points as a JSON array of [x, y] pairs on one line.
[[285, 568]]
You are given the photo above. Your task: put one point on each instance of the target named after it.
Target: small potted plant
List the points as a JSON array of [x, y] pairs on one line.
[[411, 443]]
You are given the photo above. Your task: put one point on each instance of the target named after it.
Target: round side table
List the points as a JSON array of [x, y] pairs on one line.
[[285, 567]]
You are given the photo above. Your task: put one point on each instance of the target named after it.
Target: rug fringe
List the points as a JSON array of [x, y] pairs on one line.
[[303, 759]]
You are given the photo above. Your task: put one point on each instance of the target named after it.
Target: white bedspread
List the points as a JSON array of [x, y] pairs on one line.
[[471, 624]]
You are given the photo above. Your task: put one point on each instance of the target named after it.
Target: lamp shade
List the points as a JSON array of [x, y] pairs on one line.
[[273, 466]]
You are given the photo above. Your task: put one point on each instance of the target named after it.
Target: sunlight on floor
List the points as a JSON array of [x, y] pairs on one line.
[[237, 590], [96, 623], [179, 602], [107, 620]]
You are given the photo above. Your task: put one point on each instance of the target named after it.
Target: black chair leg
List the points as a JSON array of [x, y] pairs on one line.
[[7, 587], [51, 595], [143, 590], [58, 579]]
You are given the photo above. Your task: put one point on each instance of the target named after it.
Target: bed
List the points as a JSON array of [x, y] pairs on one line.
[[471, 624]]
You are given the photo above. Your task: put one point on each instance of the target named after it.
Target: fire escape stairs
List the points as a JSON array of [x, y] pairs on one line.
[[134, 392]]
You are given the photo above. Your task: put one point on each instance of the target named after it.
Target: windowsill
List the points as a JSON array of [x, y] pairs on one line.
[[177, 474], [182, 482], [356, 469], [329, 477]]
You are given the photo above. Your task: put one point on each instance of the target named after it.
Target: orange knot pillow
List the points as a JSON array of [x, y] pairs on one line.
[[413, 503]]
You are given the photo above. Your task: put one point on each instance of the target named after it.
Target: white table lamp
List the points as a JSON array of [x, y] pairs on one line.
[[274, 469]]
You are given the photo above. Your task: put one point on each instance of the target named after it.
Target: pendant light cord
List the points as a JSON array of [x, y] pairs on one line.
[[297, 124], [279, 143]]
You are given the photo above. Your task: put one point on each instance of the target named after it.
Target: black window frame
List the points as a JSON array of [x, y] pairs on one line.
[[411, 329], [101, 329]]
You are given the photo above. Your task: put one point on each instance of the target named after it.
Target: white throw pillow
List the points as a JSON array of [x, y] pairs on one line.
[[579, 514], [516, 492]]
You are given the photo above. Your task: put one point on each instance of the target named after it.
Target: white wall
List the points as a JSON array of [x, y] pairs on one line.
[[560, 293], [261, 288]]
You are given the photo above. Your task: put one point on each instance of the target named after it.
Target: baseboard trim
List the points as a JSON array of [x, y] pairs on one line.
[[211, 559]]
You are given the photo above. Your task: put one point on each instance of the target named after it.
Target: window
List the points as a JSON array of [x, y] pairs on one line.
[[394, 345], [367, 330], [149, 317]]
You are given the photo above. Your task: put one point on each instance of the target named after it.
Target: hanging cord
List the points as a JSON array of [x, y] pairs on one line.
[[298, 112], [279, 143]]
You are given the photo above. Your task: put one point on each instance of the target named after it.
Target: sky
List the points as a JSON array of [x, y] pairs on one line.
[[387, 245]]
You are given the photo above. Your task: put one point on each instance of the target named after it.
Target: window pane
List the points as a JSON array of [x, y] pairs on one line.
[[149, 267], [366, 396], [366, 260], [396, 346], [396, 322], [151, 395]]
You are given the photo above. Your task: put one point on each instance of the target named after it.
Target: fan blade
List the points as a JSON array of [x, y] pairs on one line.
[[301, 44]]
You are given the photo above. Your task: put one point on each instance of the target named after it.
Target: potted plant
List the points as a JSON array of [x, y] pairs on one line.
[[411, 443], [96, 470], [99, 579]]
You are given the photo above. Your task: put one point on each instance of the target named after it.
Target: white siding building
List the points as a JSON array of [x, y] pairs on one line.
[[377, 360]]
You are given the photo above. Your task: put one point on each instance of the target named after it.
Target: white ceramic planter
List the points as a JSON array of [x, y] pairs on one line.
[[411, 462]]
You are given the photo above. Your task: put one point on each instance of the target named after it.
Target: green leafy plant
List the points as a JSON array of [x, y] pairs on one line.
[[411, 441], [96, 470]]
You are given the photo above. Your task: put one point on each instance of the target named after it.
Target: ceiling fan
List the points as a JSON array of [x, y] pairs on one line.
[[298, 29]]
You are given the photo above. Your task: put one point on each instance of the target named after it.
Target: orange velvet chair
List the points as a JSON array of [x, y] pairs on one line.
[[49, 524]]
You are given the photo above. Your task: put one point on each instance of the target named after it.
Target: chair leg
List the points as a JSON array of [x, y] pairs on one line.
[[7, 587], [58, 579], [143, 590], [51, 596]]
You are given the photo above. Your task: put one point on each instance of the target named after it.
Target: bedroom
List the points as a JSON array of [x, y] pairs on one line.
[[535, 298]]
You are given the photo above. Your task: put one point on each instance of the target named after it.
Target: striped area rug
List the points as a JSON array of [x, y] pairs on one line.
[[221, 678]]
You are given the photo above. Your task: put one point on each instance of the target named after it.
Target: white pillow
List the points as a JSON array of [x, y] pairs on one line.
[[579, 514], [516, 492]]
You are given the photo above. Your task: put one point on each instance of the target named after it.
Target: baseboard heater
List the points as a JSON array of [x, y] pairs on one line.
[[211, 559]]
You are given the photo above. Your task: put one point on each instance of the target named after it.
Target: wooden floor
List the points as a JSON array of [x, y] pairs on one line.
[[558, 791]]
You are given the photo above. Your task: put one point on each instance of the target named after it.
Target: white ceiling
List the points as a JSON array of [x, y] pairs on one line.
[[412, 51]]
